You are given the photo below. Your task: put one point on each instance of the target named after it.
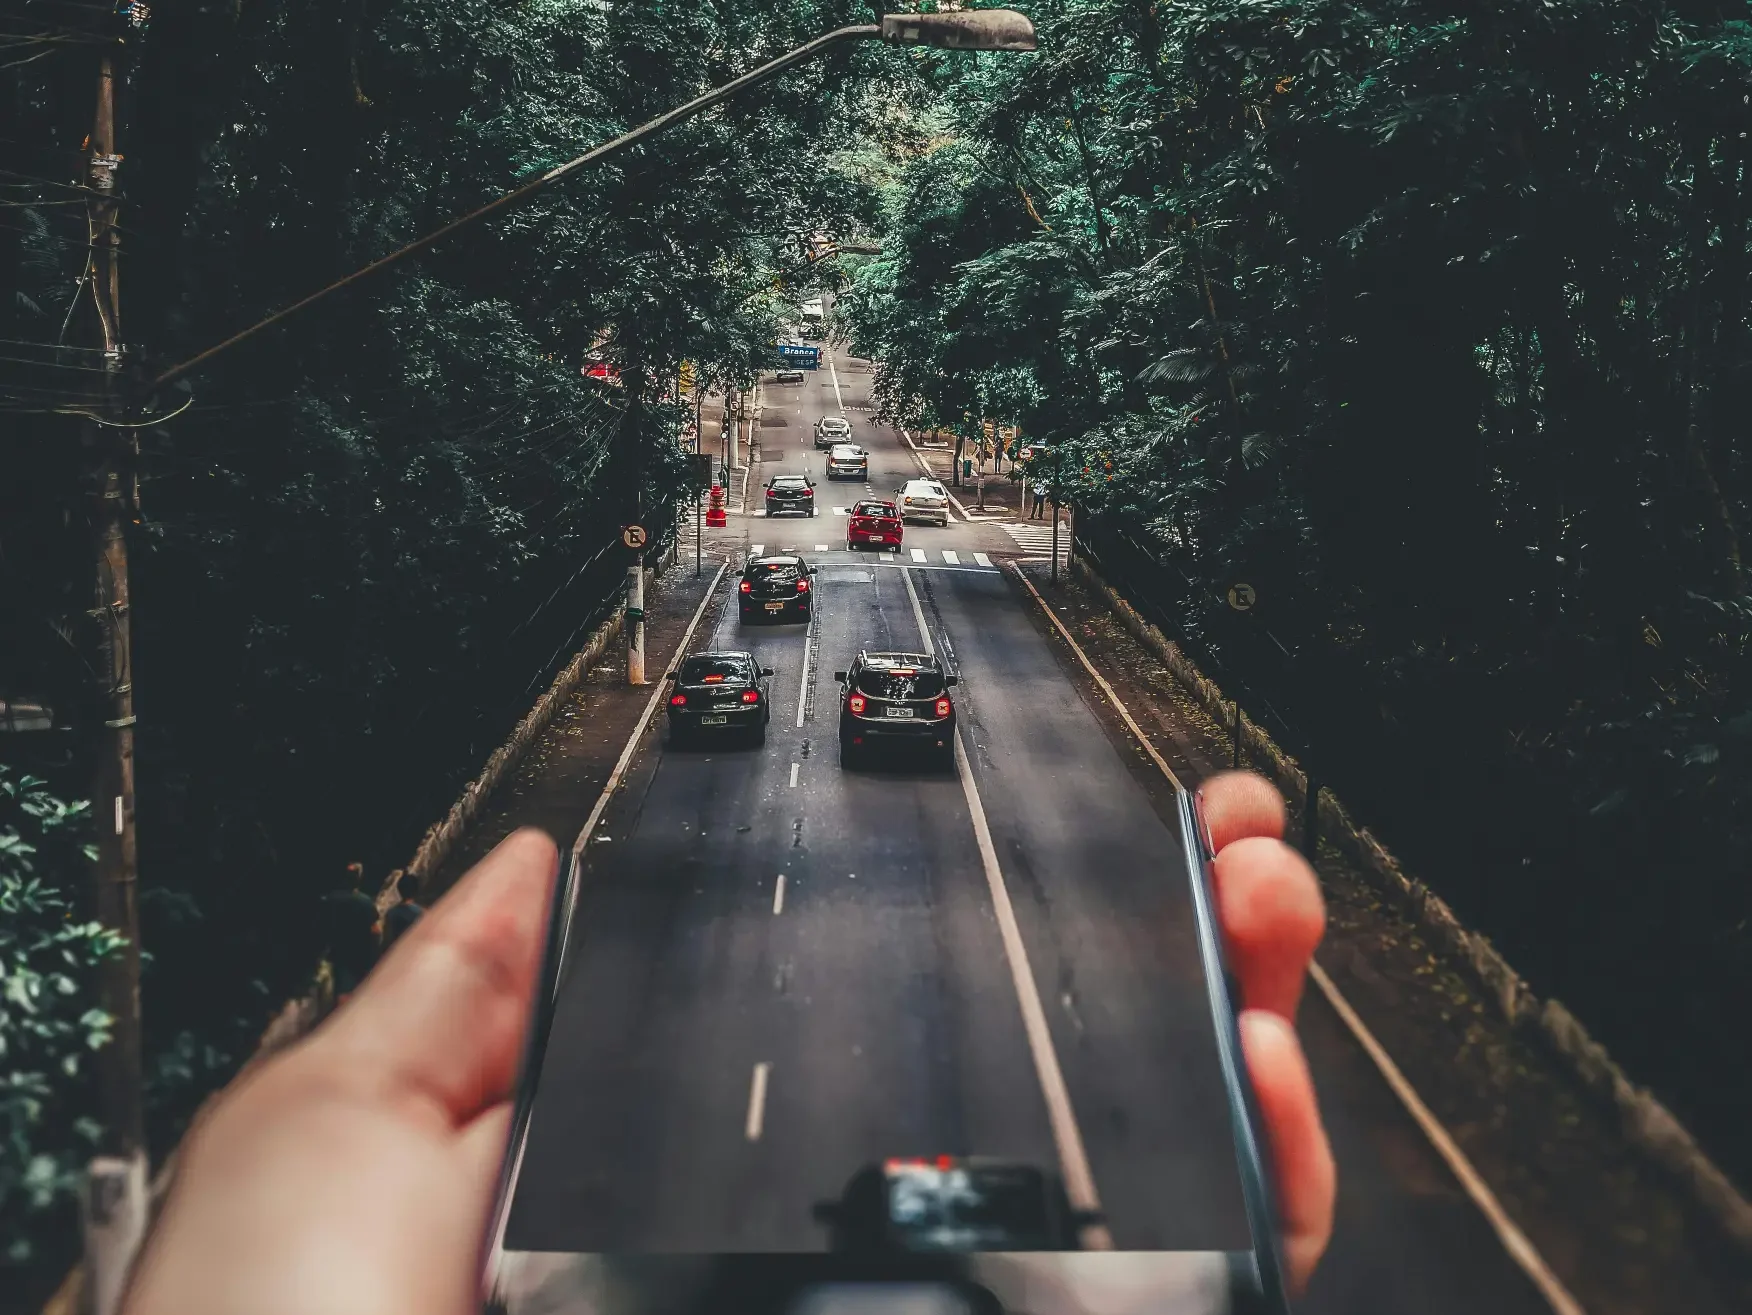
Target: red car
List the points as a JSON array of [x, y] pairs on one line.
[[874, 522]]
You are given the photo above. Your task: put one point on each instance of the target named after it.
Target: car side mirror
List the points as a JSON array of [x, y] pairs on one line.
[[766, 671], [840, 676], [669, 676], [951, 680]]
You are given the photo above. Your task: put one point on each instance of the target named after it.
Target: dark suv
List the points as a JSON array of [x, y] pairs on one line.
[[790, 493], [956, 1205], [897, 699], [776, 587]]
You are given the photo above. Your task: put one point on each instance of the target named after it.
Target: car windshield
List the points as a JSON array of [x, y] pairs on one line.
[[713, 670], [900, 682]]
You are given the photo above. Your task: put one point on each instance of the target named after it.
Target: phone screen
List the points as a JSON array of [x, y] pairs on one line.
[[953, 1074]]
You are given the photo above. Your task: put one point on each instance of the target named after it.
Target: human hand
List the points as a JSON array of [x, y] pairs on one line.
[[353, 1175], [1272, 914]]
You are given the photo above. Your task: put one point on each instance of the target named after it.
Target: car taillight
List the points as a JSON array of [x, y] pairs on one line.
[[771, 494], [751, 696], [942, 707], [857, 703], [747, 587], [678, 701], [802, 586]]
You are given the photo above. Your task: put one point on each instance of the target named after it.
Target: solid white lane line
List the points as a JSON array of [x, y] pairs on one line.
[[1513, 1240], [803, 685], [980, 559], [950, 557], [918, 554], [794, 767], [1067, 1138], [779, 895], [757, 1089], [833, 374]]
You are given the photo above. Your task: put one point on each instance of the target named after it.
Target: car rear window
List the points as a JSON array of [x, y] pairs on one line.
[[874, 509], [900, 683], [790, 482], [699, 670], [772, 570], [1009, 1207]]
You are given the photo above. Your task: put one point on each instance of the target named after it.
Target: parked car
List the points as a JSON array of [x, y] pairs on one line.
[[924, 500], [847, 461], [789, 375], [721, 692]]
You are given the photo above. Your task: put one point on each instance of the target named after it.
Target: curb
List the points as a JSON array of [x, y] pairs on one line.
[[1645, 1121]]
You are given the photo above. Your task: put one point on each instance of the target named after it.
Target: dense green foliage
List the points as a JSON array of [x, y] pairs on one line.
[[366, 540], [1432, 327], [48, 1021]]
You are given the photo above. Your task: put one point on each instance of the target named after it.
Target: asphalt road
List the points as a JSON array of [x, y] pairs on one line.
[[783, 971]]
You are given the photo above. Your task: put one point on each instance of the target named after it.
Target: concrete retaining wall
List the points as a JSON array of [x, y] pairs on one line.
[[1648, 1124]]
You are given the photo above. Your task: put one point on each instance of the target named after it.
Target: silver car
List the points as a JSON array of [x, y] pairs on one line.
[[923, 500], [832, 429], [848, 461]]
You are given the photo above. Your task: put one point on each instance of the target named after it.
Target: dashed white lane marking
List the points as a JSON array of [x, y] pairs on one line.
[[803, 687], [1079, 1179], [757, 1089], [779, 895], [918, 554], [950, 557], [794, 767], [821, 547], [980, 559]]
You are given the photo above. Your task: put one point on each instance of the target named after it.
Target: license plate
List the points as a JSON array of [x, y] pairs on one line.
[[900, 712], [714, 721], [775, 607]]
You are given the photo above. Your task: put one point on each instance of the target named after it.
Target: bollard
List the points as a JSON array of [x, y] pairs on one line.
[[113, 1214]]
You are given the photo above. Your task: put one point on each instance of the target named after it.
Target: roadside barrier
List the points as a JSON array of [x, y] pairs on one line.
[[1647, 1124]]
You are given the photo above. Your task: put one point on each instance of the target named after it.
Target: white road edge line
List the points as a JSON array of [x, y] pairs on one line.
[[1067, 1138], [1521, 1250], [608, 789], [803, 689], [833, 373], [794, 767], [757, 1089], [779, 895]]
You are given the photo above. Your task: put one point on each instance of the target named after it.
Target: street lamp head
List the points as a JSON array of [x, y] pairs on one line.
[[971, 29]]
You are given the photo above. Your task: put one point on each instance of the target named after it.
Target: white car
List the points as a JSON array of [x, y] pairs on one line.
[[924, 500], [832, 430], [848, 460]]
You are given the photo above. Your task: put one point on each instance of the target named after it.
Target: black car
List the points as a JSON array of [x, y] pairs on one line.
[[951, 1204], [776, 587], [719, 692], [899, 700], [790, 493]]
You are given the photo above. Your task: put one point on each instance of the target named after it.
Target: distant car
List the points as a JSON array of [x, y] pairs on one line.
[[790, 493], [847, 461], [896, 700], [874, 522], [924, 500], [951, 1204], [776, 587], [790, 374], [719, 692], [830, 430]]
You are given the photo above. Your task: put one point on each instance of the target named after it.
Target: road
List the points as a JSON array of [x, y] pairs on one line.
[[783, 970]]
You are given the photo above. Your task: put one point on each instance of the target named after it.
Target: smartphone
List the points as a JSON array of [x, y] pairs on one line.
[[631, 1187]]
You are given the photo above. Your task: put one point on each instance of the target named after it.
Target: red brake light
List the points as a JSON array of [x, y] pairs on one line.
[[751, 696], [943, 707], [713, 680], [802, 586], [747, 587], [678, 701], [857, 703], [943, 1162]]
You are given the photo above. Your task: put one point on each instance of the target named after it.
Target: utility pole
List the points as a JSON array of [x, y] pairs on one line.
[[115, 1203]]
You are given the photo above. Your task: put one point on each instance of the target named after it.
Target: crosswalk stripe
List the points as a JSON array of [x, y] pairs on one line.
[[918, 554], [950, 557], [821, 547], [980, 559], [842, 511], [756, 548]]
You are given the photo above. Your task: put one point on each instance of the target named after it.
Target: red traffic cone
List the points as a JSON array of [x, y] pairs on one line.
[[715, 516]]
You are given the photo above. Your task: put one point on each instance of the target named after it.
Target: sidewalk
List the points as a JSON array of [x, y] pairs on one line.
[[560, 777]]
